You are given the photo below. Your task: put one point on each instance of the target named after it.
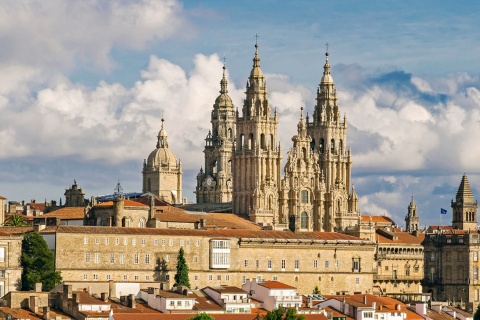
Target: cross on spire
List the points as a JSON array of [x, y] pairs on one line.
[[256, 39], [224, 60]]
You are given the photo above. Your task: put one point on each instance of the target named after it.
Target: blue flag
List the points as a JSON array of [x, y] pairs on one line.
[[443, 211]]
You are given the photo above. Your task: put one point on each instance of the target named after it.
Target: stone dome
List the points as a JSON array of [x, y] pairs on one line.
[[161, 157]]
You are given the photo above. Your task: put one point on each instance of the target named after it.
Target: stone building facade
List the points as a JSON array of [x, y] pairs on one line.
[[10, 267], [162, 173], [334, 262], [215, 183], [452, 254]]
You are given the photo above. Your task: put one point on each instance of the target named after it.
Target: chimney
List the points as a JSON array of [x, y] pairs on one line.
[[67, 290], [374, 305], [38, 287], [76, 298], [309, 302], [421, 308], [397, 307], [39, 227], [33, 304], [131, 300], [104, 296], [46, 313], [365, 299]]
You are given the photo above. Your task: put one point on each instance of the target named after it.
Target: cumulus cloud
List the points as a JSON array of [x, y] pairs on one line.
[[59, 33]]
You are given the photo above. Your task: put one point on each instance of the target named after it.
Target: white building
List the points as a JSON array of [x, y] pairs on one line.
[[273, 294]]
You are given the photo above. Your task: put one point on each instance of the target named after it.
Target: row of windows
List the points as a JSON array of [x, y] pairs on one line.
[[121, 258], [296, 264], [108, 277], [143, 241]]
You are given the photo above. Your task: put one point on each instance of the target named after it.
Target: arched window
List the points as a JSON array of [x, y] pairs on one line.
[[271, 142], [304, 220], [262, 141], [312, 144], [304, 196], [332, 144], [304, 153], [242, 141], [250, 141], [340, 146], [141, 222], [229, 133], [322, 145], [214, 167]]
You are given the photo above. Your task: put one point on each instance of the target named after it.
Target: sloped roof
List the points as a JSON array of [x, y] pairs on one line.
[[377, 219], [2, 198], [126, 203], [275, 285], [67, 213], [464, 190], [227, 289], [286, 236], [401, 237]]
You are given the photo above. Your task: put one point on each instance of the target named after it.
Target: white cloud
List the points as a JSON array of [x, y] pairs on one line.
[[58, 33]]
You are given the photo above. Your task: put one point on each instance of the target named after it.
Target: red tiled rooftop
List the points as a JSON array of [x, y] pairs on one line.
[[227, 289], [377, 219], [67, 213], [275, 285], [402, 237]]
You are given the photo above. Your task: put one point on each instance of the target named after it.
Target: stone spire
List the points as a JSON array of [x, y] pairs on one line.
[[464, 209], [302, 126]]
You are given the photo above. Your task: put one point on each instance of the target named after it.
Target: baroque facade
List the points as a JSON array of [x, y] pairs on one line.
[[243, 161], [162, 173]]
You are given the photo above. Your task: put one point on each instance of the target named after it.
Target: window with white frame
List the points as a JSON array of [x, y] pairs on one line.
[[134, 242], [182, 242], [297, 264], [97, 241], [167, 257], [163, 242], [246, 263], [109, 277], [147, 277], [187, 243], [135, 258], [269, 264], [315, 263], [87, 257], [112, 257], [125, 277], [144, 241], [85, 240], [95, 276], [85, 276], [96, 257], [125, 241], [210, 277], [284, 263], [147, 258], [170, 242], [220, 254], [327, 264], [107, 241], [155, 242], [195, 259], [117, 241], [197, 243], [122, 258]]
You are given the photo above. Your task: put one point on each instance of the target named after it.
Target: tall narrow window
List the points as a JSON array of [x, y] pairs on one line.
[[304, 196], [304, 220]]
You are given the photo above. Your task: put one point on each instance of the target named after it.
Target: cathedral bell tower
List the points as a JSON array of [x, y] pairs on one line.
[[464, 209], [329, 135], [257, 156], [214, 185], [412, 219]]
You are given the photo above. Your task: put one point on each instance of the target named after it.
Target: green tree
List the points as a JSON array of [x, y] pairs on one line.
[[476, 316], [181, 277], [38, 263], [202, 316], [316, 290], [15, 221], [277, 314]]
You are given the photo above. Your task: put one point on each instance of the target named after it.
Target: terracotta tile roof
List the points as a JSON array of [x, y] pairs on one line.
[[3, 198], [15, 230], [186, 316], [40, 206], [275, 285], [67, 213], [85, 298], [378, 219], [227, 289], [267, 235], [438, 316], [335, 313], [17, 313], [127, 203], [203, 303], [171, 294], [402, 237]]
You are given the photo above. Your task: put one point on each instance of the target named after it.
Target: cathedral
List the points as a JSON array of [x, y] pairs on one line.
[[243, 161]]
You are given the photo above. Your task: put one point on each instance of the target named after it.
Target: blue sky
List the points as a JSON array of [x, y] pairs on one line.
[[83, 86]]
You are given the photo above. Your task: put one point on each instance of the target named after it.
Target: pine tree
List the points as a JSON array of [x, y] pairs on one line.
[[202, 316], [38, 263], [181, 277], [476, 316]]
